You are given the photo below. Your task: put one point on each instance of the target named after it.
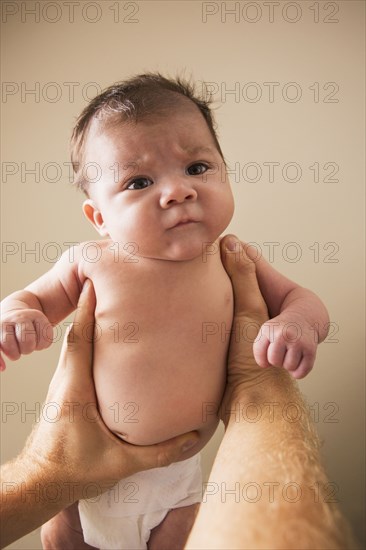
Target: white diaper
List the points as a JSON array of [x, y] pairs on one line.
[[122, 518]]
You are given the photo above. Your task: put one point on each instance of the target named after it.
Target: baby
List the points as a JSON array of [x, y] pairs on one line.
[[146, 155]]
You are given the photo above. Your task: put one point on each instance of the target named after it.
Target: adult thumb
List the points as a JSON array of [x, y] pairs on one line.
[[242, 272], [165, 453]]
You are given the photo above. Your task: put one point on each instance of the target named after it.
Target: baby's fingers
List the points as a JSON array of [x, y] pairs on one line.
[[293, 359], [26, 336], [44, 333], [9, 344], [276, 353], [305, 366], [34, 333], [260, 350]]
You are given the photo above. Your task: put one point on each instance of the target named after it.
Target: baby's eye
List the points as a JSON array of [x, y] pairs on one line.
[[139, 183], [197, 169]]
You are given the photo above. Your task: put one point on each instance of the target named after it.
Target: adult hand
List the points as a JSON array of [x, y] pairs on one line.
[[250, 312]]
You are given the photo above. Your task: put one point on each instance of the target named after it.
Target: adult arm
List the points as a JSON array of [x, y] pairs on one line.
[[267, 488], [76, 456]]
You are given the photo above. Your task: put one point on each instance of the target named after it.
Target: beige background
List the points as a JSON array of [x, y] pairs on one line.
[[323, 218]]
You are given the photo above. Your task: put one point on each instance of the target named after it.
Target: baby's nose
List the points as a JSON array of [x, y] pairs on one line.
[[176, 192]]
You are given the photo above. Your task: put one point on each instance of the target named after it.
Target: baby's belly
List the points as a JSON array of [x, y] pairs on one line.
[[158, 380]]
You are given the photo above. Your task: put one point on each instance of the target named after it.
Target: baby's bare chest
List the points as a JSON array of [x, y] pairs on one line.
[[154, 297]]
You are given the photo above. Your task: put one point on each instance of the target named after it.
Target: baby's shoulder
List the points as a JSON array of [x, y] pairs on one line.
[[93, 256], [81, 255], [90, 250]]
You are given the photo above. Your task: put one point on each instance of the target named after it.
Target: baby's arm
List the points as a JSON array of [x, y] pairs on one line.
[[27, 316], [299, 321]]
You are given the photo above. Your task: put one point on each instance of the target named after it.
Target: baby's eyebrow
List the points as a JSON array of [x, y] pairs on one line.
[[132, 165], [196, 150], [191, 151]]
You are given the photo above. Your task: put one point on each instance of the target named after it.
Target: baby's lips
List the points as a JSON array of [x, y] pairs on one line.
[[184, 224]]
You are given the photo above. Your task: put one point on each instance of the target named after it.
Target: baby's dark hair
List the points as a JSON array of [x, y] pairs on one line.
[[133, 100]]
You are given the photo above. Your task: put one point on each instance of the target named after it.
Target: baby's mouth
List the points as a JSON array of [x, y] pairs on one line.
[[184, 222]]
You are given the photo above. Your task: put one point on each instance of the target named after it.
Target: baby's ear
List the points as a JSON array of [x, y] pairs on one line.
[[95, 217]]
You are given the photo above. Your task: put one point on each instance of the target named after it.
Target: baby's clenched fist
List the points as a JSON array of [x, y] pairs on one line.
[[23, 331], [286, 343]]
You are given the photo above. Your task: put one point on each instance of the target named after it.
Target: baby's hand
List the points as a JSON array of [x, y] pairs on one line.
[[287, 342], [23, 331]]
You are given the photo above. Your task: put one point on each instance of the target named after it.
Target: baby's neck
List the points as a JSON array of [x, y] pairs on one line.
[[209, 255]]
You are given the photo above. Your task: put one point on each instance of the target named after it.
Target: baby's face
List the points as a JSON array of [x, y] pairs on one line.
[[163, 186]]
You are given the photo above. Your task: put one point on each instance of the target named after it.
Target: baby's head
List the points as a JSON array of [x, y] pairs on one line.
[[146, 154]]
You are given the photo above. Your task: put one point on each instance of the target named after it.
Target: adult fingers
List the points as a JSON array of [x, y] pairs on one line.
[[241, 269], [160, 454], [77, 350]]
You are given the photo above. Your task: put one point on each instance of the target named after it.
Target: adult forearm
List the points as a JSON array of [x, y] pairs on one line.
[[30, 496], [267, 488]]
